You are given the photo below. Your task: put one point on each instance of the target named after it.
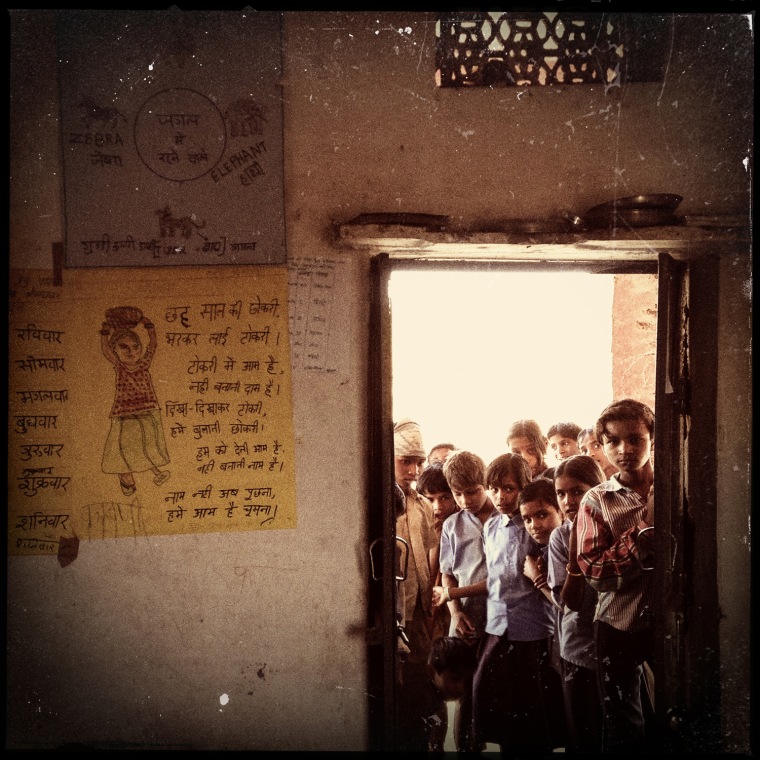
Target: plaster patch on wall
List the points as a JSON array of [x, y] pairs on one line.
[[224, 699]]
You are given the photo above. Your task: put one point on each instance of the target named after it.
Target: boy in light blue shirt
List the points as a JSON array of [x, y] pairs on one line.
[[462, 559], [463, 567], [508, 701]]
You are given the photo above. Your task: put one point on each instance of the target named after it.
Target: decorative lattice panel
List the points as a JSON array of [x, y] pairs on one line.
[[523, 48]]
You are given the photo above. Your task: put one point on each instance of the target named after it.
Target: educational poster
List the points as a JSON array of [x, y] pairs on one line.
[[148, 402], [171, 127]]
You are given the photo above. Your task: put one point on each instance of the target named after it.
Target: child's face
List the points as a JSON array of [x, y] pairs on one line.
[[438, 455], [471, 499], [592, 448], [524, 448], [443, 503], [128, 349], [540, 519], [407, 470], [570, 491], [563, 447], [504, 494], [627, 444]]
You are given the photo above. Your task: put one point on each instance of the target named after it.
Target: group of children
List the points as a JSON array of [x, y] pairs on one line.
[[538, 612]]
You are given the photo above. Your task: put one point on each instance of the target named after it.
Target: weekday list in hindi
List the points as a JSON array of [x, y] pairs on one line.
[[180, 422]]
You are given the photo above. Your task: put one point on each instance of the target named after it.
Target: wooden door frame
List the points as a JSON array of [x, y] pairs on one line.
[[688, 687], [685, 576]]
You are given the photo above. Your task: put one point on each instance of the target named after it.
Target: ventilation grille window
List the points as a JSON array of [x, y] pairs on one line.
[[487, 49]]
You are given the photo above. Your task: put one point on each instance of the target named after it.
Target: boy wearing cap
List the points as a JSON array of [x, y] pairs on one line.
[[422, 717]]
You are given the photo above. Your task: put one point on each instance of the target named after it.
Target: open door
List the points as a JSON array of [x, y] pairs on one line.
[[382, 632], [687, 683]]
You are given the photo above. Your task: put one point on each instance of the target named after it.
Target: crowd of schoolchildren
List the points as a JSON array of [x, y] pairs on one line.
[[528, 599]]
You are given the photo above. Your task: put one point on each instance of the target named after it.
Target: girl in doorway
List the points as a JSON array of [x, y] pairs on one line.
[[576, 601], [135, 441]]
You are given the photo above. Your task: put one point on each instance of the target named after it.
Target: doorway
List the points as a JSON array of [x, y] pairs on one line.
[[474, 351], [683, 445]]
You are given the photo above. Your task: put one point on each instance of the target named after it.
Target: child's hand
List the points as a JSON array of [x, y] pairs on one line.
[[572, 547], [533, 568], [463, 624], [572, 543], [439, 596]]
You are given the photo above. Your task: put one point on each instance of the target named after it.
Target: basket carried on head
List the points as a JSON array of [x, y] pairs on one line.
[[121, 317]]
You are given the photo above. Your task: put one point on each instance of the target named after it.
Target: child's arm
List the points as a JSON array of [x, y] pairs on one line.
[[533, 568], [607, 562], [462, 623], [575, 584], [434, 562], [458, 592]]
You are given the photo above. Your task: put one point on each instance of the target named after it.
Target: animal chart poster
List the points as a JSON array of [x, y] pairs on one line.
[[148, 402], [171, 131]]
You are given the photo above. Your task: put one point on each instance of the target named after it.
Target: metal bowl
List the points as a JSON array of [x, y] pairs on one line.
[[666, 201], [648, 210]]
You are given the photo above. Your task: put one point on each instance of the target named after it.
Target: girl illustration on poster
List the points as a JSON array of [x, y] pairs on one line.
[[135, 441]]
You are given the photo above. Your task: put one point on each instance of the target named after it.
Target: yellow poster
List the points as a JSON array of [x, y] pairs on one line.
[[148, 402]]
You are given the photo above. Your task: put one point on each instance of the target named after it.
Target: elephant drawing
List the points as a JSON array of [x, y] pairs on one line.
[[244, 117], [169, 224]]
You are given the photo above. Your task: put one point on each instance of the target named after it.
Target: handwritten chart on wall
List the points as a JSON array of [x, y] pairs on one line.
[[148, 404], [314, 288], [172, 137]]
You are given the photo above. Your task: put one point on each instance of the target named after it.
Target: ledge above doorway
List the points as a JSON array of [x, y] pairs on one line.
[[424, 236]]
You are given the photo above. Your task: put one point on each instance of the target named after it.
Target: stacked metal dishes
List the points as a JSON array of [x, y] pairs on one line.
[[649, 210]]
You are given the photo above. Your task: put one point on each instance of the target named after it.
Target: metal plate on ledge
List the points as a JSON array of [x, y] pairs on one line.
[[666, 201], [429, 221]]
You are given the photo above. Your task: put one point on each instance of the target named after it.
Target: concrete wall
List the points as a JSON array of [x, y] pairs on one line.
[[135, 642]]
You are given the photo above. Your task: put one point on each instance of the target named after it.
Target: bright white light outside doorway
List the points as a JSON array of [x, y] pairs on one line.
[[475, 351]]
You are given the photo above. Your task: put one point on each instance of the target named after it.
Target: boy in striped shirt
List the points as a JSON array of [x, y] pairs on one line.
[[615, 553]]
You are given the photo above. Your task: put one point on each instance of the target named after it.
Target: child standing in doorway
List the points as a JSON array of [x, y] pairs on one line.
[[462, 560], [135, 442], [615, 554], [507, 686], [421, 715], [576, 601], [463, 566], [432, 484]]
